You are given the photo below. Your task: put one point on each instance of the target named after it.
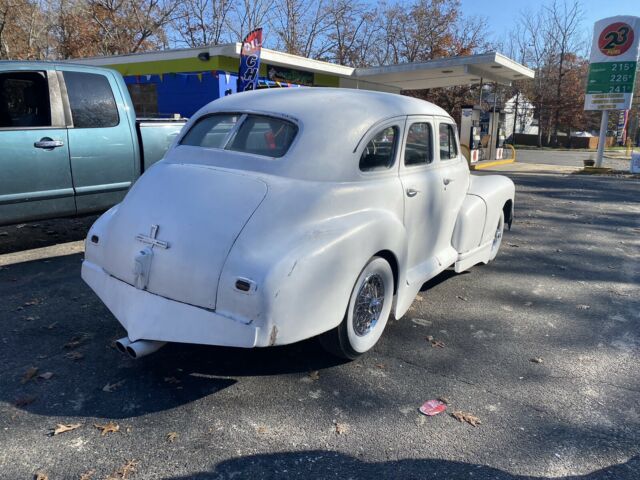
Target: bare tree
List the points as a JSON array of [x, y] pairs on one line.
[[201, 22], [247, 15], [130, 26], [301, 27]]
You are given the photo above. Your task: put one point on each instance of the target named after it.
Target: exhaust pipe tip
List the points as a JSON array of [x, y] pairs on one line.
[[141, 348], [122, 344]]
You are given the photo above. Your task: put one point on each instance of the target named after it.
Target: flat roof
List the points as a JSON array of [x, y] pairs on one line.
[[447, 72], [444, 72]]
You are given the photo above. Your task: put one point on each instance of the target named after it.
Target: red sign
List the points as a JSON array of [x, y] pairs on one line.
[[615, 39]]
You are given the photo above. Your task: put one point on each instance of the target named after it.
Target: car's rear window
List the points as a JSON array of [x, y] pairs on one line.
[[257, 134]]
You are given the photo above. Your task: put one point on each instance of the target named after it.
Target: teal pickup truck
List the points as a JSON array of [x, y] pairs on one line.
[[69, 140]]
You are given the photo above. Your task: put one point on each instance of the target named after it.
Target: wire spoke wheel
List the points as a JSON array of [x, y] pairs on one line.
[[369, 303]]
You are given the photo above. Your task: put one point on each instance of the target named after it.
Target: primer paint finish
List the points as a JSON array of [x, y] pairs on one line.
[[298, 229]]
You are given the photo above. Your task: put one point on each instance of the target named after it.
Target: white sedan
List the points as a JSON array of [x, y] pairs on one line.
[[284, 214]]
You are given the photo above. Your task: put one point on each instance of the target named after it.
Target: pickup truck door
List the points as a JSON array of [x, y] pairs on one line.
[[102, 136], [423, 198], [35, 176]]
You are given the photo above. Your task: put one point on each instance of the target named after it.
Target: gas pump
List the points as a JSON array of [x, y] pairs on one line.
[[497, 135], [470, 131], [500, 139]]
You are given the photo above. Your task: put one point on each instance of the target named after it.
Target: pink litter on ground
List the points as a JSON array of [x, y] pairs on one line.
[[432, 407]]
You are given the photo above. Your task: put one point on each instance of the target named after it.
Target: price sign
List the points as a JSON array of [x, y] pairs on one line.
[[613, 64]]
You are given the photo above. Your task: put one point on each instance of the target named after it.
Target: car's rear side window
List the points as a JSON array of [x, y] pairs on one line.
[[91, 100], [380, 152], [256, 134]]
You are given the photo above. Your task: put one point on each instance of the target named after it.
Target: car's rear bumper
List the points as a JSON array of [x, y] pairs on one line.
[[151, 317]]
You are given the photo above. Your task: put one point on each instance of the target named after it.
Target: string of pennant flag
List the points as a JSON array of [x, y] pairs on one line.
[[186, 76]]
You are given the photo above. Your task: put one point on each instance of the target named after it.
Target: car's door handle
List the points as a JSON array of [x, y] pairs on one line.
[[48, 143], [412, 192], [447, 181]]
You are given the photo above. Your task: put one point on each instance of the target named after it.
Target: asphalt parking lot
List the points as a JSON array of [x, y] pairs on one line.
[[542, 346]]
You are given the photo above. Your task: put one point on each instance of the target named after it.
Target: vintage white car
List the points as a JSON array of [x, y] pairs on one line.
[[280, 215]]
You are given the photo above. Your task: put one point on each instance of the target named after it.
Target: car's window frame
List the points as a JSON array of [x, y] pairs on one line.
[[435, 163], [411, 122], [399, 123], [394, 155], [57, 120], [456, 140], [232, 133], [72, 122]]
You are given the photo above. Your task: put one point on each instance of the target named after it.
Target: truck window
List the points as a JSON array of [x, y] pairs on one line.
[[418, 150], [91, 100], [24, 100], [448, 145]]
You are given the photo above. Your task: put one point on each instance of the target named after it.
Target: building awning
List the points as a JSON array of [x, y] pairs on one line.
[[447, 72]]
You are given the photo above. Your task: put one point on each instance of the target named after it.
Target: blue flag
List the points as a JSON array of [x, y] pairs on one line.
[[250, 61]]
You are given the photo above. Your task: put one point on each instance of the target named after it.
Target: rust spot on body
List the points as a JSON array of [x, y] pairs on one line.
[[274, 335]]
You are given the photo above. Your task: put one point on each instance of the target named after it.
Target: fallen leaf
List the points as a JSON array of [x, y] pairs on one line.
[[75, 342], [341, 428], [40, 476], [87, 475], [172, 436], [24, 401], [380, 366], [315, 375], [124, 471], [466, 417], [61, 428], [536, 360], [75, 356], [29, 374], [262, 429], [444, 400], [434, 342], [46, 375], [111, 387], [107, 428], [172, 380]]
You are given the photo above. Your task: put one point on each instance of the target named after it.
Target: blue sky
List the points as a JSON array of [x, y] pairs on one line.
[[502, 12]]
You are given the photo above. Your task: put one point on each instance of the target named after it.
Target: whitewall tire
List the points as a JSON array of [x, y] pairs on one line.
[[497, 238], [367, 313]]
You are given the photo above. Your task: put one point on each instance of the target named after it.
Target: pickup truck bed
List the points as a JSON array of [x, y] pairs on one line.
[[69, 140]]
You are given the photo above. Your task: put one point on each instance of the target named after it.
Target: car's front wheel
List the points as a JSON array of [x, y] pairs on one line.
[[367, 313]]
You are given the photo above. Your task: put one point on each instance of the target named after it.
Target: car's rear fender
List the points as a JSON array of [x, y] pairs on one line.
[[303, 284]]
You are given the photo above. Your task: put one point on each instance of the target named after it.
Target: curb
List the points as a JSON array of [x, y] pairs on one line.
[[480, 166]]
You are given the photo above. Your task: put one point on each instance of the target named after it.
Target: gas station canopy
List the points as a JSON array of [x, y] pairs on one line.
[[447, 72]]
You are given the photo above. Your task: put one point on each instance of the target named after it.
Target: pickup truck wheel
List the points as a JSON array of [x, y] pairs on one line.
[[497, 238], [367, 313]]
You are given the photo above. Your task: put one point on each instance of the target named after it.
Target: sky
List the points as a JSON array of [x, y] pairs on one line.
[[501, 13]]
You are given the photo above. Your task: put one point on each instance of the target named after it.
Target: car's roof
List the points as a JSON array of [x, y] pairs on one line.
[[332, 123], [304, 102]]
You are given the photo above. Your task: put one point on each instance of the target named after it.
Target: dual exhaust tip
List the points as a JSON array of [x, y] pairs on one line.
[[139, 348]]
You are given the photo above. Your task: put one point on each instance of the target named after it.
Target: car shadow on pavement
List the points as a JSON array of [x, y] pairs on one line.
[[320, 464]]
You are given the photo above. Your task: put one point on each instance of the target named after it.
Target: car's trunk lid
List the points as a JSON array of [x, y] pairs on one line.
[[174, 230]]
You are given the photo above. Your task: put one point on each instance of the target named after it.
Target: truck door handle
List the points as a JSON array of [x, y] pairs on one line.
[[411, 192], [447, 181], [47, 143]]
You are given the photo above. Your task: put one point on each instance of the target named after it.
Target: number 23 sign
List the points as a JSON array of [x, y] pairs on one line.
[[615, 39]]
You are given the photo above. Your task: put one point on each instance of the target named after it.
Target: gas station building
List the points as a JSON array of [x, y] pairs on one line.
[[181, 81]]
